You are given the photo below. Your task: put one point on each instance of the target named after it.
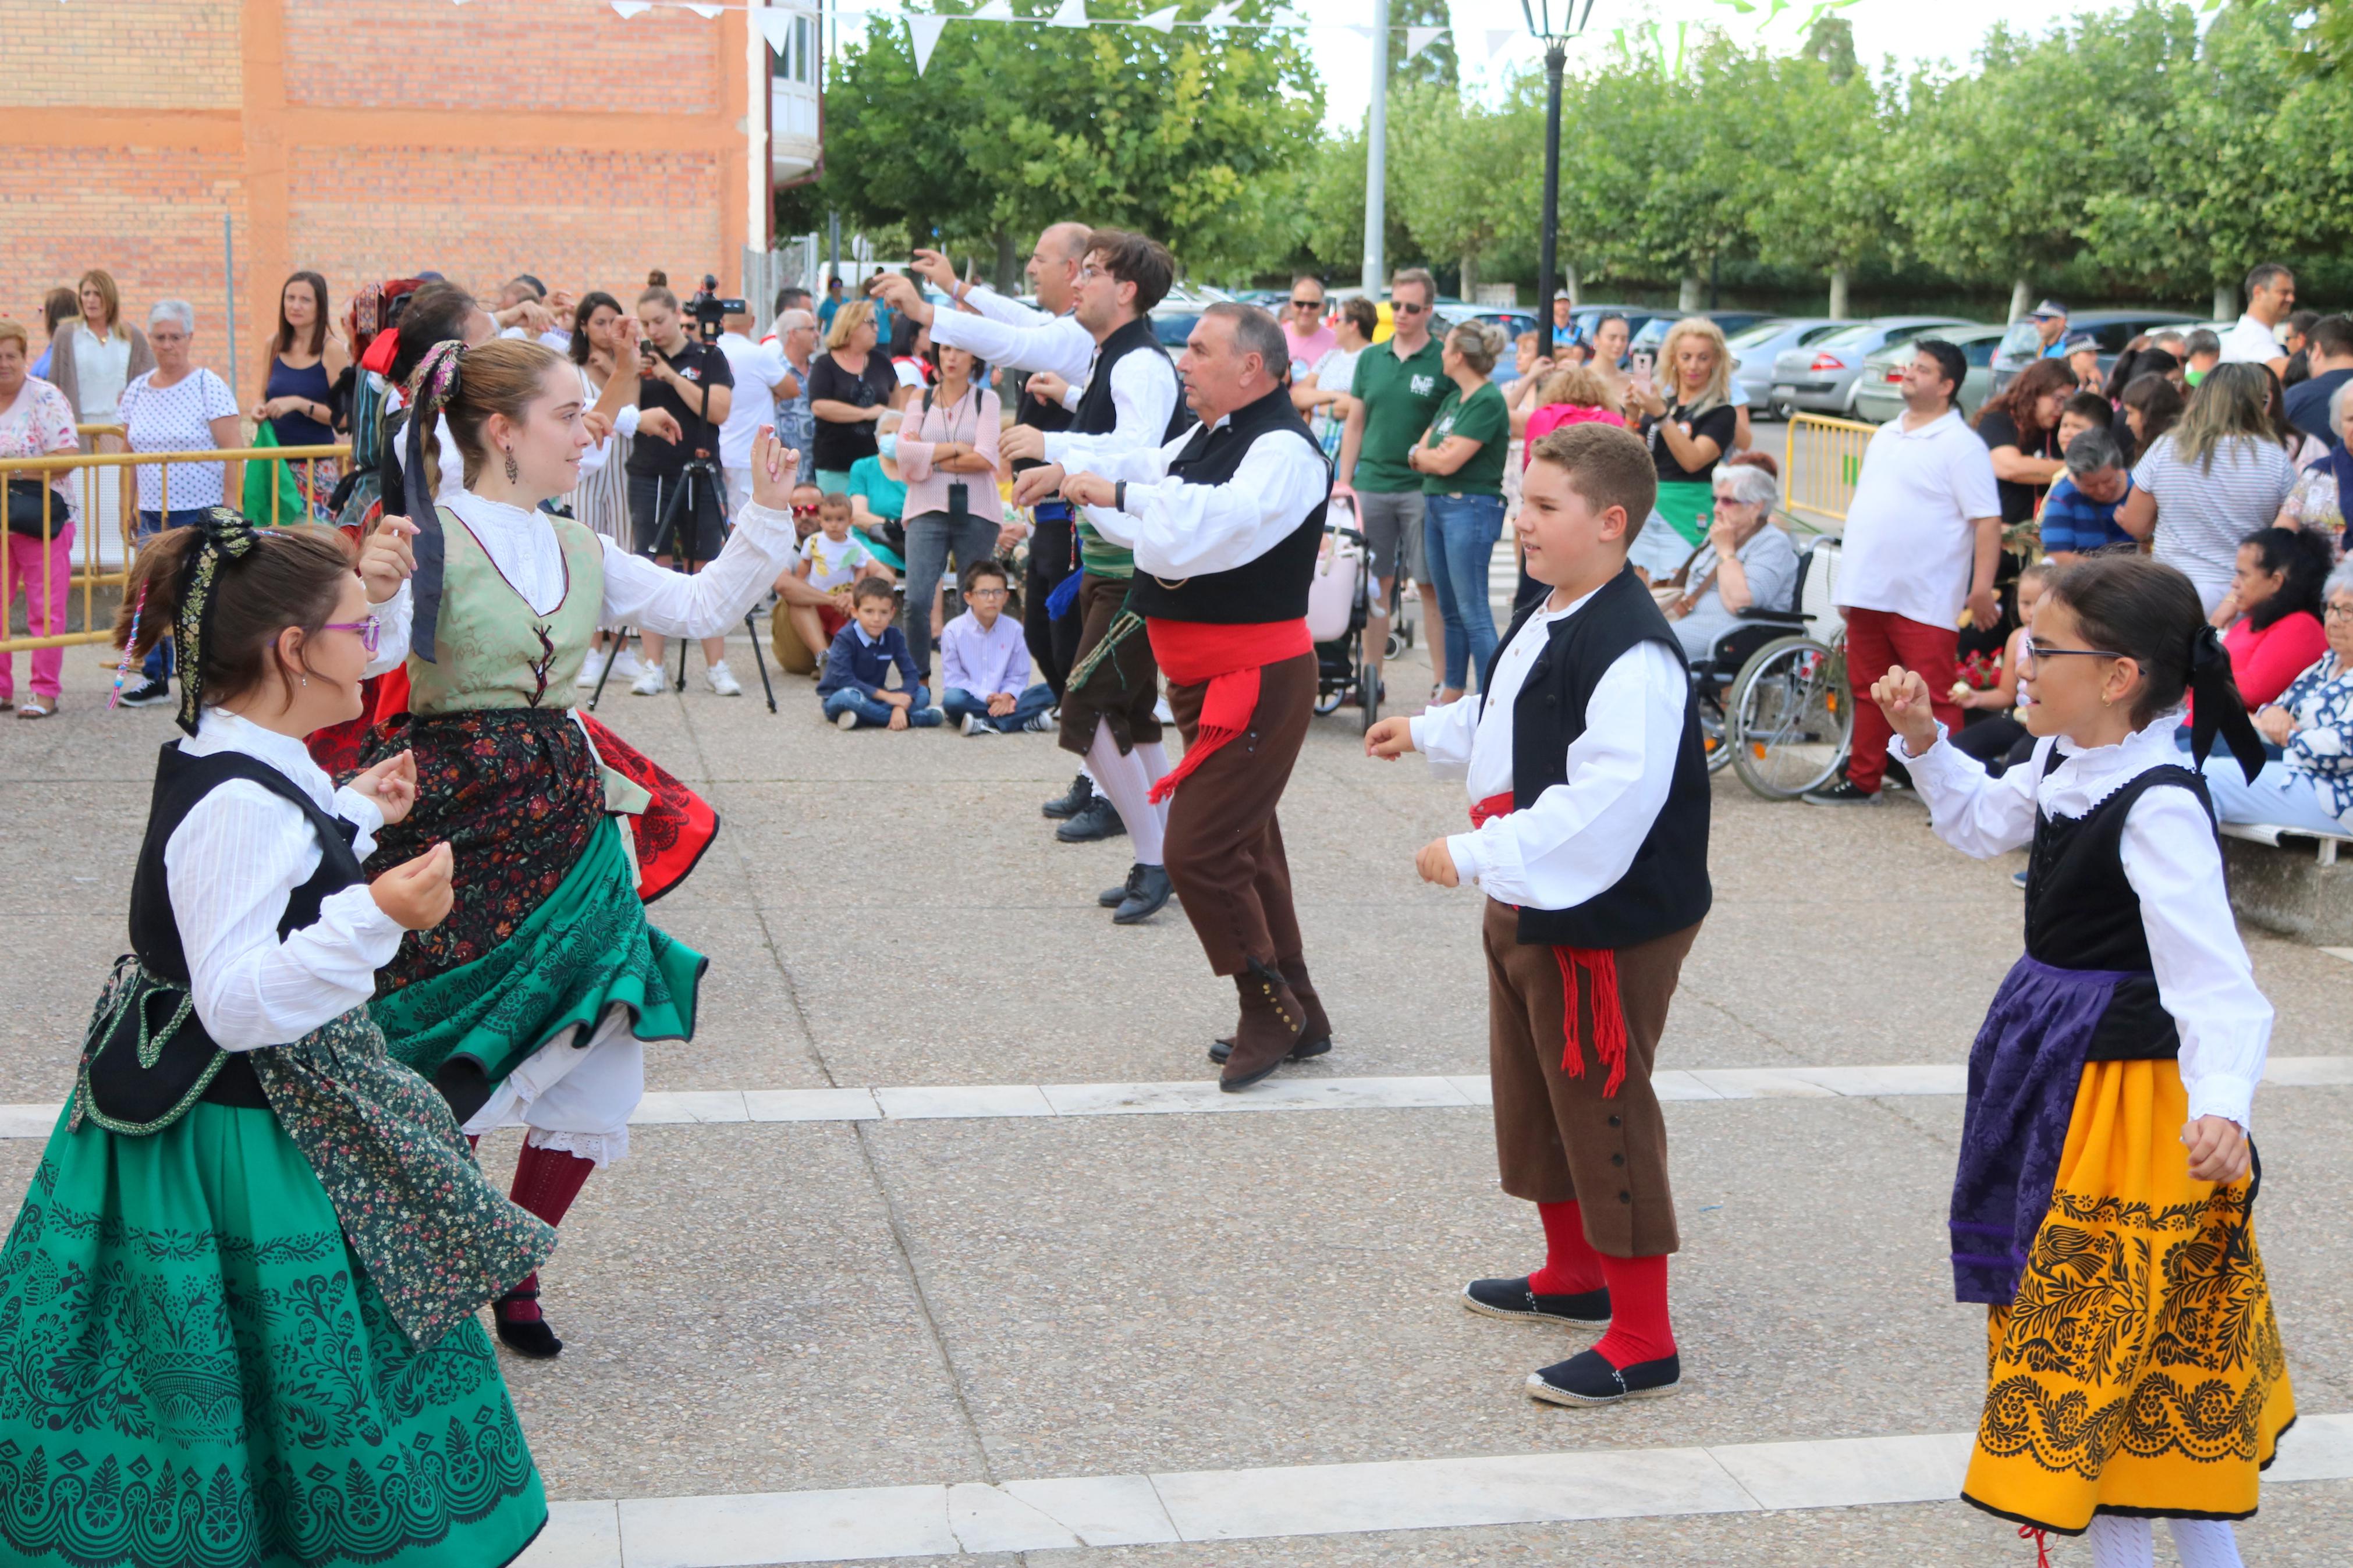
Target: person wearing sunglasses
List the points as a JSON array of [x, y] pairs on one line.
[[1304, 330]]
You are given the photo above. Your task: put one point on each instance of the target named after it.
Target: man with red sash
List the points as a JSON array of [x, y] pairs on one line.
[[1225, 522], [1589, 835]]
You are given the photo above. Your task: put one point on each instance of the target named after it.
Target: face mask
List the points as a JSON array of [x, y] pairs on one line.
[[887, 445]]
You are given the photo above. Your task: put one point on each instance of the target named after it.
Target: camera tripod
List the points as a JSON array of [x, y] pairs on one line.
[[700, 485]]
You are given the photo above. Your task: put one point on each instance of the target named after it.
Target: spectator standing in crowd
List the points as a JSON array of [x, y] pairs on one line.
[[1563, 320], [302, 359], [911, 353], [1573, 394], [2020, 426], [36, 421], [604, 346], [2328, 356], [2296, 338], [2083, 356], [850, 389], [792, 296], [2050, 319], [2271, 299], [175, 407], [2151, 405], [2320, 496], [1748, 559], [2201, 352], [526, 309], [2079, 515], [1611, 333], [1304, 331], [762, 380], [2311, 785], [853, 690], [1690, 425], [796, 338], [2272, 614], [2211, 481], [1326, 391], [946, 453], [91, 361], [2082, 411], [985, 663], [59, 306], [1923, 540], [689, 384], [834, 300], [1460, 458], [1400, 385]]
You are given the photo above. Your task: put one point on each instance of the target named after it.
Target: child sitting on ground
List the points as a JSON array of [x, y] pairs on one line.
[[985, 663], [831, 559], [862, 658]]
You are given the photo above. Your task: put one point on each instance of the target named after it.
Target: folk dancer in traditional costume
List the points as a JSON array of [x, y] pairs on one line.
[[1225, 524], [2104, 1206], [237, 1310], [1589, 814], [531, 1004]]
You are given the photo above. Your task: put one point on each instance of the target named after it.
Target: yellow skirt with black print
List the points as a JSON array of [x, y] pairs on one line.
[[2138, 1371]]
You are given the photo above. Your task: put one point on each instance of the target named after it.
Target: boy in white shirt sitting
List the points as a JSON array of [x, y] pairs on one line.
[[985, 663], [832, 559], [1588, 810]]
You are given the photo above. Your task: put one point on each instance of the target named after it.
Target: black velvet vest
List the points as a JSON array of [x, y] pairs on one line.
[[1274, 587], [1097, 414], [1666, 888]]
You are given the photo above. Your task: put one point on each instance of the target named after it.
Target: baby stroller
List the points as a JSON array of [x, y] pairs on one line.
[[1339, 603]]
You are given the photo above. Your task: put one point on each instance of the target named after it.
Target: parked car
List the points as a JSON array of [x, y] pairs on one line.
[[1822, 376], [2113, 329], [1655, 330], [1755, 348], [1878, 399], [1637, 316]]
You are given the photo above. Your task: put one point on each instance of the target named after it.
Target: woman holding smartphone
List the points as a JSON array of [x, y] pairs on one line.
[[947, 455]]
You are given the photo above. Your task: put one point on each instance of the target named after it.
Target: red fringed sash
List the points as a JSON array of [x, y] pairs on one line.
[[1229, 657], [1599, 965]]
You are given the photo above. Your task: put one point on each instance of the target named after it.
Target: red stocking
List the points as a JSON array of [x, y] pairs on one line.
[[1571, 1266], [1638, 1311], [546, 1183]]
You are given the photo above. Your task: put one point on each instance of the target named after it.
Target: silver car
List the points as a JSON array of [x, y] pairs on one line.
[[1755, 348], [1878, 393], [1821, 377]]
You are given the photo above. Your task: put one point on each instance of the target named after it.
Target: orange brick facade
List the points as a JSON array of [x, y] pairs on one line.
[[366, 139]]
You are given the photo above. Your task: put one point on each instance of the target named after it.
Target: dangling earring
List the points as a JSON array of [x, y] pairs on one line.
[[513, 473]]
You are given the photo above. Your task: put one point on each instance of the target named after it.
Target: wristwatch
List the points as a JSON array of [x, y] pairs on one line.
[[1119, 496]]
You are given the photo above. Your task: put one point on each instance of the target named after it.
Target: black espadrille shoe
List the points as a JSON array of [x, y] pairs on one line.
[[1588, 1378], [529, 1337], [1513, 1299]]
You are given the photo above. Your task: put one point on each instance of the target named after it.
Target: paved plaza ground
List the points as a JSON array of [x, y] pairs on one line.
[[808, 1324]]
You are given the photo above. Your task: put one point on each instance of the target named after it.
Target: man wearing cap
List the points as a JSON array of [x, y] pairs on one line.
[[2083, 351], [1563, 327], [2051, 323]]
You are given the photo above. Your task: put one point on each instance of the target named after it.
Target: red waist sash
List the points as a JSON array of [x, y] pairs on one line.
[[1600, 966], [1229, 657]]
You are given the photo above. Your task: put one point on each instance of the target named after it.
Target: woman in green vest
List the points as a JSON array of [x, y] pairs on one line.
[[531, 1003]]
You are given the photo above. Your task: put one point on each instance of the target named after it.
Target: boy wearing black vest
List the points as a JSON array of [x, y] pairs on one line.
[[1589, 805]]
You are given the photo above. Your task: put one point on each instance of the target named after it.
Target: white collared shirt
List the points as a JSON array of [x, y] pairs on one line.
[[2251, 342], [1911, 530], [1579, 836], [1007, 332], [232, 864], [2174, 864], [1143, 394], [1180, 529]]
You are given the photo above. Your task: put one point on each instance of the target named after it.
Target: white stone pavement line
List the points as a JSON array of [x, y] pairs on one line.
[[1202, 1096], [970, 1519]]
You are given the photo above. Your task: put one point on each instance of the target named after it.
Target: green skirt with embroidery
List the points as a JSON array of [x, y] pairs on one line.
[[585, 949], [196, 1371]]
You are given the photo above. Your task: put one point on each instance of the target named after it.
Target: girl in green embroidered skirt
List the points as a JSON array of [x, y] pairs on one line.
[[237, 1310]]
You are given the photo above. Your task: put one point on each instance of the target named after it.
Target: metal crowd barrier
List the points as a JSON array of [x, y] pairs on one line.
[[1821, 461], [105, 511]]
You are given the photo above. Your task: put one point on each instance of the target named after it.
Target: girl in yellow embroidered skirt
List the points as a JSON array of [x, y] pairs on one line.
[[2104, 1205]]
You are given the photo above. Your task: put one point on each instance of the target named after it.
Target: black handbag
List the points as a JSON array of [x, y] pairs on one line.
[[147, 1059], [28, 498]]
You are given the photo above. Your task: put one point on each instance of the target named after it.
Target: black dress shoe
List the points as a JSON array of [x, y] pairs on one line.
[[1147, 895], [1097, 819], [1072, 800], [1220, 1050], [1588, 1378], [1513, 1299], [533, 1338], [1111, 898]]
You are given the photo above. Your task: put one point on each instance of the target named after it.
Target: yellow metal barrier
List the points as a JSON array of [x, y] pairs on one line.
[[102, 504], [1821, 461]]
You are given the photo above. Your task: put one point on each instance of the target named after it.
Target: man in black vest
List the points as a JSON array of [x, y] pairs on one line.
[[1130, 403], [1225, 523], [1588, 810]]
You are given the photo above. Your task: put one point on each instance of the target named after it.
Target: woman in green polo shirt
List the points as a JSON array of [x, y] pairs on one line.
[[1460, 458]]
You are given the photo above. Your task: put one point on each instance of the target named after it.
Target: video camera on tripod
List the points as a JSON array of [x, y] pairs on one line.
[[709, 310]]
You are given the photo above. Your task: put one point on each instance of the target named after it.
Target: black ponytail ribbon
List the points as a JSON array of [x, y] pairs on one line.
[[223, 535], [2218, 706], [434, 382]]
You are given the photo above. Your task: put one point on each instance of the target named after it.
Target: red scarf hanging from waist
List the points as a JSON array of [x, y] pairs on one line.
[[1599, 965], [1229, 657]]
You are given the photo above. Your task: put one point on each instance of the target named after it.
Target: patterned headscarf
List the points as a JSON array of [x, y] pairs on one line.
[[434, 382], [227, 536]]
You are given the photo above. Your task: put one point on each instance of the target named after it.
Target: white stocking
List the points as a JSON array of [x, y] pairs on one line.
[[1129, 788], [2118, 1543], [1155, 762], [2205, 1543]]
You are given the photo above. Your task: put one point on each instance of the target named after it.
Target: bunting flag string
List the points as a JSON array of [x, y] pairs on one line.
[[923, 36], [774, 21], [1419, 38]]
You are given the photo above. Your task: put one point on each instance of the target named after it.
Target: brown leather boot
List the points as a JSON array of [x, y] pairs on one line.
[[1314, 1039], [1271, 1018]]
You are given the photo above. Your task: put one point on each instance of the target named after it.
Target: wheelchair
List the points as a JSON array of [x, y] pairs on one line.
[[1339, 608], [1774, 703]]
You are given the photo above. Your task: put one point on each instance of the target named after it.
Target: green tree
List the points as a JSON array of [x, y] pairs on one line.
[[1824, 200], [1454, 169], [1436, 66]]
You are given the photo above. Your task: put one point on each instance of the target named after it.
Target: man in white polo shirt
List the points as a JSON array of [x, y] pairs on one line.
[[1923, 538], [2271, 299]]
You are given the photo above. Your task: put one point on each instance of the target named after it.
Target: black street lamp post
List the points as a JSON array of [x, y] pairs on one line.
[[1538, 15]]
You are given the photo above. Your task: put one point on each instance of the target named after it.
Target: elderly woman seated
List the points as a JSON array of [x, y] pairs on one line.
[[1746, 560], [2311, 786]]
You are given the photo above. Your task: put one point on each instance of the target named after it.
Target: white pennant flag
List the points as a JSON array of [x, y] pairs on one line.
[[1497, 37], [923, 32], [625, 9], [1362, 29], [1285, 17], [1073, 14], [1419, 38], [1220, 15], [995, 11], [1161, 21], [708, 13], [776, 27]]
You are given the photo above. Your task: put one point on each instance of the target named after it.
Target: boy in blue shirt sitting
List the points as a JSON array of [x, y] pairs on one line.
[[863, 654], [2079, 515]]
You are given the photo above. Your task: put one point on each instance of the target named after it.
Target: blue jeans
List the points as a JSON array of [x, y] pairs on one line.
[[151, 523], [2280, 796], [1458, 541], [874, 713], [957, 702]]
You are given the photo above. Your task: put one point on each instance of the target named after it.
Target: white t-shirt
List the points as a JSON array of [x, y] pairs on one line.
[[2251, 342], [2202, 515], [834, 564], [178, 418], [100, 366], [758, 368], [1336, 371], [1911, 534]]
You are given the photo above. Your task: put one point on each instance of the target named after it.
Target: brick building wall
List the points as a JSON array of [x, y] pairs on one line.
[[365, 138]]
